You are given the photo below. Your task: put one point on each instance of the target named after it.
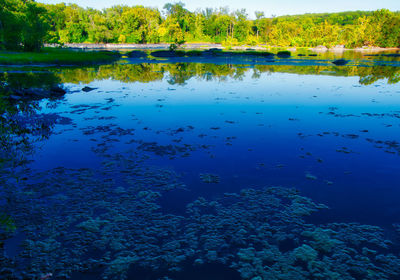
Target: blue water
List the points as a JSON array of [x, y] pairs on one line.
[[325, 136], [264, 118]]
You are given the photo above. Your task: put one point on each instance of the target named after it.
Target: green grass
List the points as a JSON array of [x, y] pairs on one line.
[[58, 57]]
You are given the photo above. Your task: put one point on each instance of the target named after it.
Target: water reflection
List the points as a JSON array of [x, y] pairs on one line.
[[26, 77], [21, 122], [180, 73], [135, 178]]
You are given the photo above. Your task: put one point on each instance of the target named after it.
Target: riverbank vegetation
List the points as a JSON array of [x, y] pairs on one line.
[[57, 56], [28, 25]]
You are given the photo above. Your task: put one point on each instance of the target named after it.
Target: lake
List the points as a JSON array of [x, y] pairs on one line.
[[288, 169]]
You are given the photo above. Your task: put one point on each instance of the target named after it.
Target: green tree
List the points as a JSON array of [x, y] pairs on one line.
[[35, 26], [257, 23], [242, 27], [56, 18], [74, 30], [23, 24], [10, 24]]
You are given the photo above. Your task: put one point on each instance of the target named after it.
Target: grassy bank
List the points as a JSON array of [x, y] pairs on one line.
[[58, 57]]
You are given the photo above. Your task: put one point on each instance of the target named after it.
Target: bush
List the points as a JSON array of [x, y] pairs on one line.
[[252, 40], [230, 42], [173, 47]]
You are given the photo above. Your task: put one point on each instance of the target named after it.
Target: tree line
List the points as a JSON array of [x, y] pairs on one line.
[[28, 25]]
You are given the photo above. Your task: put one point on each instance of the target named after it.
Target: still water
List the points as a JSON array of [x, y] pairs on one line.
[[185, 170]]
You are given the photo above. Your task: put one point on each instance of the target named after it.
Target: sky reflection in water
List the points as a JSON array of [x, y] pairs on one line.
[[201, 132], [270, 130]]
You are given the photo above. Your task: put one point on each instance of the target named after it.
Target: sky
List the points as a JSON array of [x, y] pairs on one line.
[[269, 7]]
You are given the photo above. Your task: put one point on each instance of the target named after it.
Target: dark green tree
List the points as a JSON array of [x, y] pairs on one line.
[[23, 24]]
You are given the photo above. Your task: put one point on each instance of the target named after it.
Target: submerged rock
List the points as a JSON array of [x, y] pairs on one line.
[[88, 89], [311, 177], [36, 93], [137, 54], [14, 97], [164, 53], [247, 231], [194, 53], [209, 178], [340, 62], [391, 55], [212, 51], [57, 91], [283, 54], [305, 253]]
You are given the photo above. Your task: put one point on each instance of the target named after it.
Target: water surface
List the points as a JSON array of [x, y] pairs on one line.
[[106, 181]]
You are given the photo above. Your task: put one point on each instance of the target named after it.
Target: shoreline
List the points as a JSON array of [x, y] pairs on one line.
[[206, 46]]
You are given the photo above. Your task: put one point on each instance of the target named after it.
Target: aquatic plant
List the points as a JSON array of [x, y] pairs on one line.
[[111, 218], [209, 178], [7, 223], [262, 233]]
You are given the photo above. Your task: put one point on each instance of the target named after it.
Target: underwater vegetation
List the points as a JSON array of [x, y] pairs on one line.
[[109, 221], [209, 178], [158, 181], [80, 221], [7, 223]]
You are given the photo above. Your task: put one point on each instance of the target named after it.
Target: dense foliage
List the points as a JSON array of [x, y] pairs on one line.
[[23, 24], [27, 24]]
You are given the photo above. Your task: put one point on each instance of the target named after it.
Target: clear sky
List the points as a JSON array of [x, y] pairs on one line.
[[269, 7]]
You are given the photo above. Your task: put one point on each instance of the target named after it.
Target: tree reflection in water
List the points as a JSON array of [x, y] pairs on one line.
[[179, 73]]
